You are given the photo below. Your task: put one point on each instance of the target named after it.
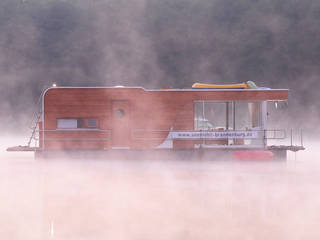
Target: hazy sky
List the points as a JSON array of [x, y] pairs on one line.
[[152, 43]]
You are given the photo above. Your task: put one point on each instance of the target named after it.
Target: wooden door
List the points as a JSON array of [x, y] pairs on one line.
[[120, 124]]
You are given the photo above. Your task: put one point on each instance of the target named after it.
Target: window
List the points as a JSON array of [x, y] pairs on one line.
[[242, 117], [209, 115], [120, 113], [80, 123], [67, 123], [236, 115], [76, 123], [248, 115], [92, 123]]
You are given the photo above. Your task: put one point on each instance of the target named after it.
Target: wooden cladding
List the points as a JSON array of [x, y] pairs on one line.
[[120, 112]]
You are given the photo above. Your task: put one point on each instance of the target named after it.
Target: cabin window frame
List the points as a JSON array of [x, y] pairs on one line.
[[91, 126], [256, 119], [231, 114], [203, 118], [67, 123], [79, 124]]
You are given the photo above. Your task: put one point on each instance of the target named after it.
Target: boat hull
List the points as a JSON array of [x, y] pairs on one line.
[[164, 154]]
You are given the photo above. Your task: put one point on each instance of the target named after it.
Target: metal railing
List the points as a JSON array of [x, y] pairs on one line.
[[275, 134], [158, 135]]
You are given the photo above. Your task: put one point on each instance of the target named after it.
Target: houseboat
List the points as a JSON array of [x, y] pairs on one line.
[[205, 121]]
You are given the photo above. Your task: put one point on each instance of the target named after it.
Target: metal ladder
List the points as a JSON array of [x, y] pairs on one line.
[[35, 122], [34, 129]]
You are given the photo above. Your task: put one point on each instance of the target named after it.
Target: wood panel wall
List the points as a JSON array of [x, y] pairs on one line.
[[155, 111]]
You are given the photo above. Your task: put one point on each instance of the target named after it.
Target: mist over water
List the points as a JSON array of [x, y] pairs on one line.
[[163, 199], [156, 44]]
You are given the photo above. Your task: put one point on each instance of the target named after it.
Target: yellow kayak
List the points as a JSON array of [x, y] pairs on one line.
[[223, 86], [247, 85]]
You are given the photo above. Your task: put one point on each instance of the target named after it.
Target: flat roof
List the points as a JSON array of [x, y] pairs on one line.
[[171, 89]]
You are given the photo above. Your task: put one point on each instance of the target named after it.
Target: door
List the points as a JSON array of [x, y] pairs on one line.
[[120, 124]]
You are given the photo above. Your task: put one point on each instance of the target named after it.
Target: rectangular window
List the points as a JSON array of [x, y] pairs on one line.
[[236, 115], [248, 115], [80, 123], [242, 117], [209, 115], [67, 123], [92, 123], [76, 123]]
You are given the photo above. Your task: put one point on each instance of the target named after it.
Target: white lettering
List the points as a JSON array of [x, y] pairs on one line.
[[215, 134]]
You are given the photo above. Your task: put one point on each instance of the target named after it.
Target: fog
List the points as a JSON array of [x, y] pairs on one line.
[[158, 44], [158, 199]]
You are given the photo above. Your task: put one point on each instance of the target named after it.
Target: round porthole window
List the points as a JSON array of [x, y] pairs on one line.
[[120, 113]]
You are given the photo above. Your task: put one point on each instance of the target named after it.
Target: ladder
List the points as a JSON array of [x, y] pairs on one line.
[[34, 128], [35, 122]]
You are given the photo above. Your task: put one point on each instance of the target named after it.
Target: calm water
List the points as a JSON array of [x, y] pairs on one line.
[[115, 199]]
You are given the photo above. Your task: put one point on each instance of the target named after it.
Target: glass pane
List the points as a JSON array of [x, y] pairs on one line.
[[92, 123], [242, 117], [198, 115], [215, 114], [66, 123], [248, 115], [210, 115], [120, 113], [80, 123], [255, 110]]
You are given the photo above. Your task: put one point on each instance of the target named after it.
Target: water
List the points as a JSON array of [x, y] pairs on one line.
[[117, 199]]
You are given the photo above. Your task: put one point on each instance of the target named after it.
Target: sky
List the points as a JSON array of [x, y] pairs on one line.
[[157, 44]]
